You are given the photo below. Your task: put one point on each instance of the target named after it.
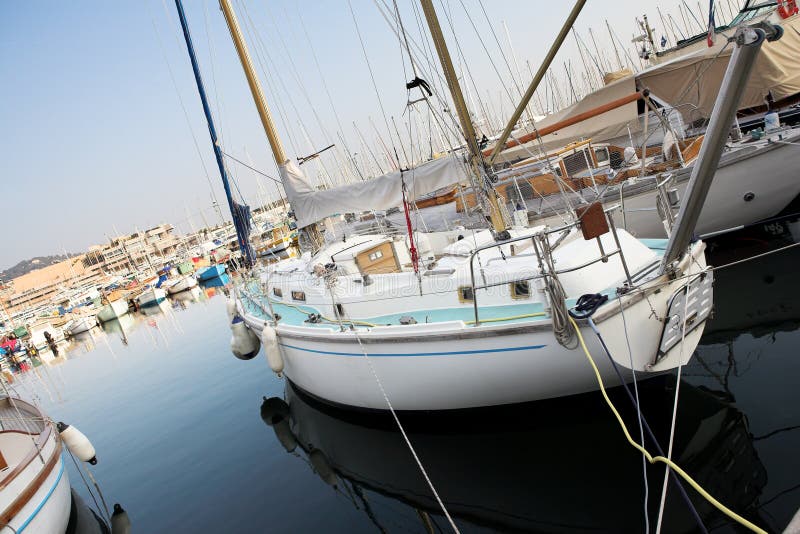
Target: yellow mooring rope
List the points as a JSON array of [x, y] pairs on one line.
[[653, 459]]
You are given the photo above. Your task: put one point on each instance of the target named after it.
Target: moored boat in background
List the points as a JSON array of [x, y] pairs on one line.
[[181, 284], [151, 297], [212, 271], [113, 310]]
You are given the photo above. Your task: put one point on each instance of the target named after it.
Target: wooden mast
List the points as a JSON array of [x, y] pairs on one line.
[[252, 80], [476, 160], [311, 231]]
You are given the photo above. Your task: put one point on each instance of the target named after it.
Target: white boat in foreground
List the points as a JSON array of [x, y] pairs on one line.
[[151, 297], [448, 341], [34, 487]]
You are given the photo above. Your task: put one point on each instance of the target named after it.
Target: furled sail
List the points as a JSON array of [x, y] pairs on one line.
[[311, 205]]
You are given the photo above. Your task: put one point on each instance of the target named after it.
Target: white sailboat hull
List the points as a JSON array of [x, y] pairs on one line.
[[37, 497], [768, 178], [450, 365], [113, 310]]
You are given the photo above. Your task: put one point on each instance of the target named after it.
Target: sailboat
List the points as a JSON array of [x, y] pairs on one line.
[[459, 319]]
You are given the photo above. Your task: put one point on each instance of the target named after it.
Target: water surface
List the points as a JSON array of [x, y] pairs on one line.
[[177, 424]]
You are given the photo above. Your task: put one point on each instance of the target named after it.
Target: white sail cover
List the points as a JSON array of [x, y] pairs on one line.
[[311, 205]]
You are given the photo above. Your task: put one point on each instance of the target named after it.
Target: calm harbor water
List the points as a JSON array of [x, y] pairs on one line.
[[181, 431]]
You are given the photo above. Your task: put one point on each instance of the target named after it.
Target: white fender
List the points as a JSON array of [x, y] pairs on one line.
[[269, 338], [244, 342], [77, 443], [230, 307]]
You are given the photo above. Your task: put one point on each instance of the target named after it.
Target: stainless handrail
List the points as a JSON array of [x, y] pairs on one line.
[[604, 256]]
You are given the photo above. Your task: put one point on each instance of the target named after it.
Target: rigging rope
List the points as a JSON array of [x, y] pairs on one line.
[[371, 74], [412, 248], [405, 436]]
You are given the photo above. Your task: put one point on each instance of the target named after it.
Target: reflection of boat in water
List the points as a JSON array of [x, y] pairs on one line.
[[122, 325], [218, 281], [759, 296], [162, 307], [112, 310], [525, 467], [194, 294]]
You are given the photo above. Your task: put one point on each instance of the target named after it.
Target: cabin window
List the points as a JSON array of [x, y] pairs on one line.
[[299, 295], [521, 289], [601, 155], [278, 292], [339, 311], [374, 256], [465, 294]]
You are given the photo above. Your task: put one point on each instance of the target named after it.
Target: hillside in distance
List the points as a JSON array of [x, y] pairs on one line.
[[26, 266]]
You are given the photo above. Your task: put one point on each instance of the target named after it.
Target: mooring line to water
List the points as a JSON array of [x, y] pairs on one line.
[[405, 436], [653, 459]]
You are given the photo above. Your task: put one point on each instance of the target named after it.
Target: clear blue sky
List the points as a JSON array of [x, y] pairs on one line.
[[93, 137]]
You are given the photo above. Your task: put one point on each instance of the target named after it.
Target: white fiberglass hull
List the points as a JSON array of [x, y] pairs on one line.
[[80, 325], [450, 365], [151, 297], [37, 497], [768, 179], [113, 310], [750, 185], [182, 285]]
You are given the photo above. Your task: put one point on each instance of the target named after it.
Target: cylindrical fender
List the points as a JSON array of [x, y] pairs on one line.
[[269, 338]]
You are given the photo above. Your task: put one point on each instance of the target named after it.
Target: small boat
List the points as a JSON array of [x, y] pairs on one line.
[[186, 267], [34, 488], [80, 324], [181, 284], [212, 271], [150, 297], [113, 310]]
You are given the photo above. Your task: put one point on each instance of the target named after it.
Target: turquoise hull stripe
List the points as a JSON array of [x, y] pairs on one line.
[[407, 354], [24, 525]]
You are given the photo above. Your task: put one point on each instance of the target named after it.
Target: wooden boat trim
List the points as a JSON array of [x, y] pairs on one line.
[[39, 443], [31, 489]]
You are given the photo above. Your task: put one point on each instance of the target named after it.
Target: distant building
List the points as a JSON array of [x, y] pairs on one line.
[[40, 287]]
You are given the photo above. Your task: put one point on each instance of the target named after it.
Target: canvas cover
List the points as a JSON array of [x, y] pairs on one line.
[[692, 82], [608, 125], [311, 205]]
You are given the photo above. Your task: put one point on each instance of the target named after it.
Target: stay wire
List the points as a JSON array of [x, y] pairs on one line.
[[185, 112], [371, 73]]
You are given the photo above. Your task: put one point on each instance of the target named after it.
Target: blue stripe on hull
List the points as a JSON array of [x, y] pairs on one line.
[[407, 354], [25, 524]]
